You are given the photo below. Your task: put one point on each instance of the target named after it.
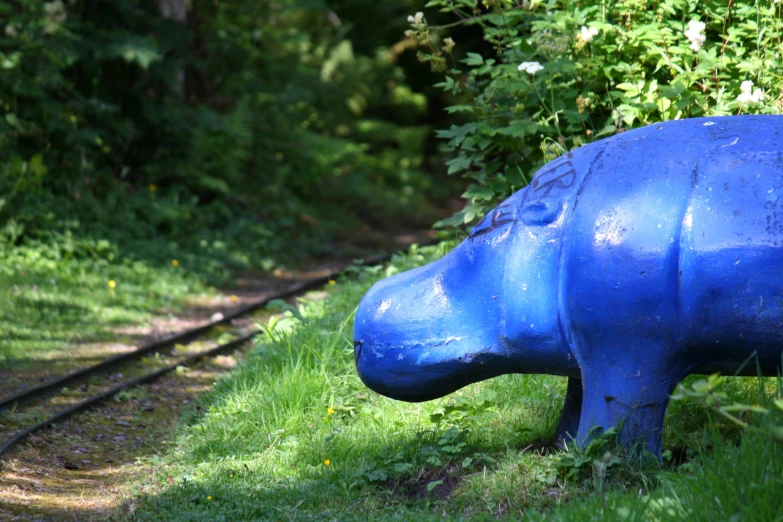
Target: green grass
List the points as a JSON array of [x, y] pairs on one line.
[[49, 304], [260, 450]]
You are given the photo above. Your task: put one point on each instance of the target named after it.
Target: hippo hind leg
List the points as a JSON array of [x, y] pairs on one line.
[[568, 426]]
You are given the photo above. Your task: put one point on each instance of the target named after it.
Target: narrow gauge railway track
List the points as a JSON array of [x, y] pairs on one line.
[[42, 400]]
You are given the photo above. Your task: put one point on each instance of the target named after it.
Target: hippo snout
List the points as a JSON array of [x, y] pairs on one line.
[[423, 334]]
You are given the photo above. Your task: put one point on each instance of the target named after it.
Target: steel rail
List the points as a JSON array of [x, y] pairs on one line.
[[100, 397]]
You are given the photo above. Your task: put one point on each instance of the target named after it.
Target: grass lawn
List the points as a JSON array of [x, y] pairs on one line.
[[294, 434], [60, 312]]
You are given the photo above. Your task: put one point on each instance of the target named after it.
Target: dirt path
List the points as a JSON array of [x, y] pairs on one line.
[[84, 468], [78, 470]]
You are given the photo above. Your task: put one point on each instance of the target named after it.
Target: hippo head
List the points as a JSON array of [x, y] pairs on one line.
[[427, 332]]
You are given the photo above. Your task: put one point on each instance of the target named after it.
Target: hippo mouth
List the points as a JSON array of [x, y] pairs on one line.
[[420, 371]]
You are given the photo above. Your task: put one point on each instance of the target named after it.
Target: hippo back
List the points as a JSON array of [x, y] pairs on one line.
[[674, 239]]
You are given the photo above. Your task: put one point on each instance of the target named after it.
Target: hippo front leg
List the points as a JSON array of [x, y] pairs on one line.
[[568, 427], [627, 393]]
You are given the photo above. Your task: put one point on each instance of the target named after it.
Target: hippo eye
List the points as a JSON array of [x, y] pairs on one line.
[[500, 216]]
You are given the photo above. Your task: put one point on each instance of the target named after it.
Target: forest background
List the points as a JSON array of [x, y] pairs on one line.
[[230, 135], [218, 134]]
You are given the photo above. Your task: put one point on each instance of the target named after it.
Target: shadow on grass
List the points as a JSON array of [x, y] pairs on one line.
[[234, 489]]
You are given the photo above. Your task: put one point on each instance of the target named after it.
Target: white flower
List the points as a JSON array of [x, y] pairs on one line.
[[586, 34], [448, 45], [55, 11], [417, 19], [746, 96], [530, 67], [56, 14], [695, 34]]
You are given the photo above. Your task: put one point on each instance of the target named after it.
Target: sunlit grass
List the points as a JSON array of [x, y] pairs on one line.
[[49, 307]]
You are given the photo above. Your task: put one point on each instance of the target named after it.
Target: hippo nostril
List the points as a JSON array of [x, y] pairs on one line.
[[357, 350]]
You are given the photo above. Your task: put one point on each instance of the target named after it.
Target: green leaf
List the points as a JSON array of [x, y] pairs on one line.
[[448, 84], [479, 192], [10, 61], [470, 212], [378, 475], [609, 129], [747, 67], [437, 415], [134, 49], [474, 59], [519, 128], [36, 166], [671, 91], [433, 485], [627, 87], [460, 108], [777, 431], [745, 407], [403, 467], [461, 162]]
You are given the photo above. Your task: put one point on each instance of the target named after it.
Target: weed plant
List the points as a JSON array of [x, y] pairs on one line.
[[293, 434]]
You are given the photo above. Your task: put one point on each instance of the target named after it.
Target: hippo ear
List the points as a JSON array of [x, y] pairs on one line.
[[540, 212]]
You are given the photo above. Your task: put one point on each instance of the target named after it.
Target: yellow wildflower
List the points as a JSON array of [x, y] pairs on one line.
[[112, 283], [174, 263], [153, 187], [327, 462], [233, 298], [329, 411], [209, 497], [332, 282]]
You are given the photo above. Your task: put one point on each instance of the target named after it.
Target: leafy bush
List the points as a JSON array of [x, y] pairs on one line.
[[555, 75]]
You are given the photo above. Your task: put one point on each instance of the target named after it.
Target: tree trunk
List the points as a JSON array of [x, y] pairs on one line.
[[176, 10]]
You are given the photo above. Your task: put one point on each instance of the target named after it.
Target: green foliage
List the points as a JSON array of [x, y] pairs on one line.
[[604, 464], [765, 420], [249, 127], [555, 75]]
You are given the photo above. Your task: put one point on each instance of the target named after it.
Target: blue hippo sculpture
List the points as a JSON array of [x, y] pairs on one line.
[[625, 265]]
